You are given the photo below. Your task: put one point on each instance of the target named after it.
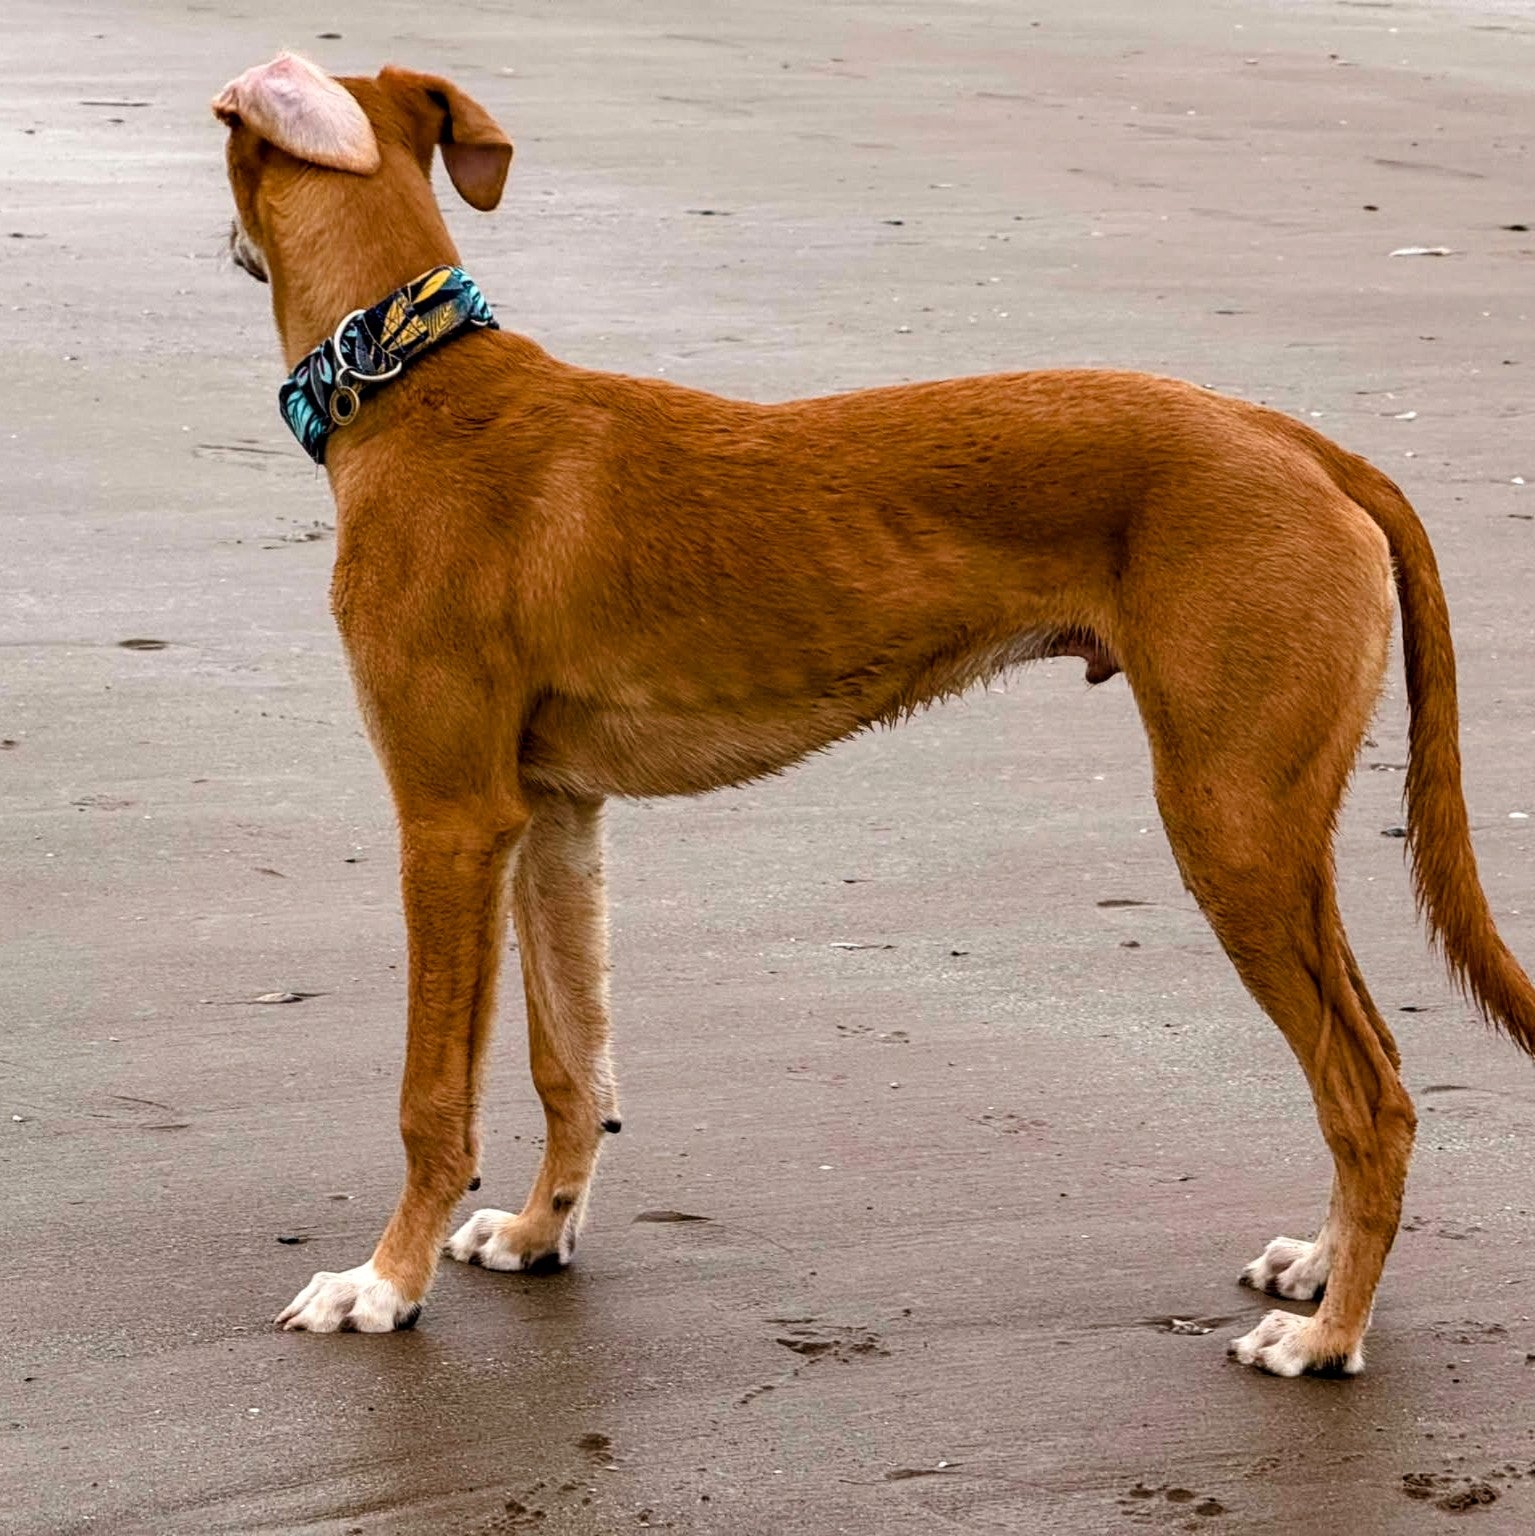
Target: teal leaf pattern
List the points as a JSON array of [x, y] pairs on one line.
[[426, 312]]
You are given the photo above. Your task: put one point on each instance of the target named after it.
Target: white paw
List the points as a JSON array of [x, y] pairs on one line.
[[505, 1240], [1282, 1345], [1288, 1267], [358, 1300]]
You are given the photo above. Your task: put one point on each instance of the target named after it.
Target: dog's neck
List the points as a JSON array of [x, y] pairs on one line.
[[317, 280], [310, 306]]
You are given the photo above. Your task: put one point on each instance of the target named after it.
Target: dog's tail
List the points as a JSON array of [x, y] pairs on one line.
[[1449, 889]]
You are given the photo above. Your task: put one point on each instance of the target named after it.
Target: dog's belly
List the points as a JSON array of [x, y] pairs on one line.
[[687, 741], [589, 753]]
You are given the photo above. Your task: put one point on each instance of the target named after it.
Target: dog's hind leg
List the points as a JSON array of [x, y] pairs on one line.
[[560, 909], [1256, 694], [1292, 1267], [1272, 908]]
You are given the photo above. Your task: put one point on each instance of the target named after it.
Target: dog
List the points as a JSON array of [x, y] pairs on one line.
[[556, 585]]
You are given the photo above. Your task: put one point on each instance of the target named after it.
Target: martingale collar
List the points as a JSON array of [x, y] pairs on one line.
[[372, 346]]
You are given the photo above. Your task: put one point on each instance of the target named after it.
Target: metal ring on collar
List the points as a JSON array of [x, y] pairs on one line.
[[345, 369], [342, 404]]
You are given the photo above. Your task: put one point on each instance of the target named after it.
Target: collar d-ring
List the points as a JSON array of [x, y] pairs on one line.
[[325, 390]]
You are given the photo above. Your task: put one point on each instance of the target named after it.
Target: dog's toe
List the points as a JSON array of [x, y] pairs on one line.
[[506, 1241], [1286, 1344], [1290, 1268], [354, 1301], [465, 1244]]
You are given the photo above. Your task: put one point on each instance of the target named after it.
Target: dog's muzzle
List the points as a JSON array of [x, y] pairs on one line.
[[243, 252]]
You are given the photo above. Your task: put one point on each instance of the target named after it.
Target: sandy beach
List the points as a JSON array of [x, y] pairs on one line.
[[954, 1186]]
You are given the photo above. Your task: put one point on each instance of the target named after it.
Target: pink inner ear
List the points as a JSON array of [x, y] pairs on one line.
[[299, 108]]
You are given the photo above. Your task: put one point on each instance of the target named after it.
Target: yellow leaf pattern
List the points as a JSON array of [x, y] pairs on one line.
[[392, 318], [405, 338], [435, 306], [434, 281]]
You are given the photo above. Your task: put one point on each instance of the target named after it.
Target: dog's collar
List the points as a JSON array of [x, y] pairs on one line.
[[372, 346]]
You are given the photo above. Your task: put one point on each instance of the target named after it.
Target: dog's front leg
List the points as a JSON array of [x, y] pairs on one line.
[[453, 871], [560, 907]]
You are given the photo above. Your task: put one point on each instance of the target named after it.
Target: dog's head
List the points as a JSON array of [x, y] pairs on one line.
[[309, 153]]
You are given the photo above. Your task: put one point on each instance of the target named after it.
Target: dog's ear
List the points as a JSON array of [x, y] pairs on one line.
[[475, 148], [298, 107]]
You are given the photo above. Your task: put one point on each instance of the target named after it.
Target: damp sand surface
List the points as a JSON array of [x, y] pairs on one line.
[[974, 1110]]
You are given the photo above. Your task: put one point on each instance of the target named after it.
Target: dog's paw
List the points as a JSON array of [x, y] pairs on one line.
[[1288, 1267], [357, 1300], [1284, 1344], [505, 1240]]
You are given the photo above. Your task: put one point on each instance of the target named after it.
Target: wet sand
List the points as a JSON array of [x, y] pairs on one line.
[[955, 1185]]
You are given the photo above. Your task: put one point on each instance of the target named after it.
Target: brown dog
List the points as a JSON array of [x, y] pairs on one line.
[[556, 585]]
